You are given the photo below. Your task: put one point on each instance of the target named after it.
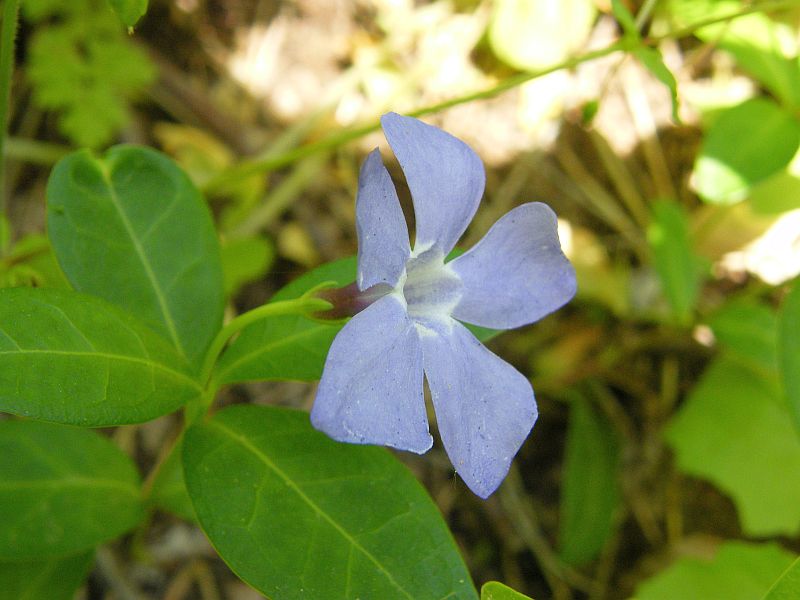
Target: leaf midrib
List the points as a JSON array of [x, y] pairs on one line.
[[311, 504], [117, 357], [162, 302]]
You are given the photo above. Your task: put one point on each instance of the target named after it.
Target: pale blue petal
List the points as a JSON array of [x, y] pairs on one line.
[[371, 387], [383, 246], [517, 273], [445, 176], [485, 407]]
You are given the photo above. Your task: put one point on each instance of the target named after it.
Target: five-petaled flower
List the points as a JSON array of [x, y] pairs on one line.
[[371, 391]]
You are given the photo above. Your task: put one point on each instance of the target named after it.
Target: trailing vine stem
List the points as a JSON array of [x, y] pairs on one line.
[[275, 160]]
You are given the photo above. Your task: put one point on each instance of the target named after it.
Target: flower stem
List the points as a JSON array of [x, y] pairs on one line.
[[275, 160], [299, 306], [8, 34]]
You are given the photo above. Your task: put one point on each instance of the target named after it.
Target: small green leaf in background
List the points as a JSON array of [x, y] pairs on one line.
[[129, 11], [132, 229], [777, 194], [653, 62], [536, 34], [590, 494], [286, 347], [748, 331], [789, 349], [63, 490], [745, 145], [71, 358], [245, 260], [674, 258], [788, 585], [738, 571], [81, 63], [54, 579], [297, 515], [494, 590], [734, 430]]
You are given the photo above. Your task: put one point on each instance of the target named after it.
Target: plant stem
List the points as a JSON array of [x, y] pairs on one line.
[[276, 160], [8, 34], [299, 306]]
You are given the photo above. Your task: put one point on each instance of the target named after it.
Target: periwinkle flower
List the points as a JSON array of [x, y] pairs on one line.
[[371, 391]]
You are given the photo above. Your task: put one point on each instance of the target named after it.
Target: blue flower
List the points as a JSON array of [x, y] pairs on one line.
[[371, 391]]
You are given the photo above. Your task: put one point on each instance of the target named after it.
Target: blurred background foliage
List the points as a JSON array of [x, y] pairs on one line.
[[666, 460]]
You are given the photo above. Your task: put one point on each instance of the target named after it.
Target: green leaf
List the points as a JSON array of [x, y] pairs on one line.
[[744, 146], [131, 228], [169, 488], [674, 258], [129, 11], [71, 358], [494, 590], [297, 515], [738, 571], [788, 585], [245, 260], [789, 350], [536, 34], [734, 429], [54, 579], [747, 331], [590, 495], [777, 194], [82, 64], [286, 347], [652, 61], [63, 490]]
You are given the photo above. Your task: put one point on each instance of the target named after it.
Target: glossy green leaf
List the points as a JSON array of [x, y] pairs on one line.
[[297, 515], [131, 228], [63, 490], [129, 11], [744, 146], [674, 258], [536, 34], [734, 429], [53, 579], [788, 585], [789, 350], [73, 358], [286, 347], [494, 590], [738, 571], [245, 260], [590, 494]]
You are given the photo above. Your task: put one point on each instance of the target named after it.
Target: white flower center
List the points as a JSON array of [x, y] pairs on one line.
[[430, 288]]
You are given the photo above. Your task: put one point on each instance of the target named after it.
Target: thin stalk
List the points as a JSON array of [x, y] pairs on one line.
[[300, 306], [274, 161], [8, 34]]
